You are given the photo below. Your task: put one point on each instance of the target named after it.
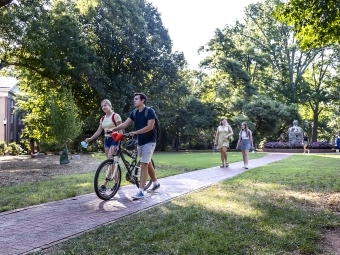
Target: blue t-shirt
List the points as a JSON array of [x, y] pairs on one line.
[[141, 122]]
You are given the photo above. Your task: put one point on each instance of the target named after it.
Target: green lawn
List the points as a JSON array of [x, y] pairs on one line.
[[279, 208], [61, 187]]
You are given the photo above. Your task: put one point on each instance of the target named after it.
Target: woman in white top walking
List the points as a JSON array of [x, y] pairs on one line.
[[245, 142], [224, 131]]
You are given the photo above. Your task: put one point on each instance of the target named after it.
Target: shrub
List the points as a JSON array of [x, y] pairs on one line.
[[283, 145], [14, 149], [320, 145], [287, 145], [3, 148]]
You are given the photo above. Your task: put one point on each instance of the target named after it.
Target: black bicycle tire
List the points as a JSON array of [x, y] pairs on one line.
[[149, 181], [95, 181]]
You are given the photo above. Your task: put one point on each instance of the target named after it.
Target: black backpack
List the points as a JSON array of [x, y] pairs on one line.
[[156, 127]]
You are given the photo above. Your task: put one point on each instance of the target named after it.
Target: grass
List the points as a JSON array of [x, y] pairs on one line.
[[66, 186], [274, 209]]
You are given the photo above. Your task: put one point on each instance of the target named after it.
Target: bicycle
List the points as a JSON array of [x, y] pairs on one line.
[[109, 171]]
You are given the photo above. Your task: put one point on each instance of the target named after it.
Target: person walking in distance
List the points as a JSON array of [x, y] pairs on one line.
[[223, 133], [106, 123], [245, 142], [146, 136], [338, 141], [305, 142]]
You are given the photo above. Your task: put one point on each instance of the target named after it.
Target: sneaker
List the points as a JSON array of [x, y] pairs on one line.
[[138, 195], [155, 187], [102, 189]]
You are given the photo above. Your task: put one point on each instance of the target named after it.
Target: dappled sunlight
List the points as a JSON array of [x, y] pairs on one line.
[[84, 185], [220, 201], [22, 170], [337, 156]]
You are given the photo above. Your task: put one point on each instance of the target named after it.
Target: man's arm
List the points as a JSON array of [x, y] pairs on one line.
[[145, 129], [122, 126]]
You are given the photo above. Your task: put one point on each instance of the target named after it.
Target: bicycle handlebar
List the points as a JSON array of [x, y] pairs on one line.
[[119, 137]]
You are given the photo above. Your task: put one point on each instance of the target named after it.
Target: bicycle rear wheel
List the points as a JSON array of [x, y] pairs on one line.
[[148, 180], [105, 177]]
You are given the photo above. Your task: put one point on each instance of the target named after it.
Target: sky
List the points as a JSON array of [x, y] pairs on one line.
[[191, 23]]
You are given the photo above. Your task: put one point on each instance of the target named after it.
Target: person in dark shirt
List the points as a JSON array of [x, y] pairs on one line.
[[146, 136], [338, 141], [305, 142]]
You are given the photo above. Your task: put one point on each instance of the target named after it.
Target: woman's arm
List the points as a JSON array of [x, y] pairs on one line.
[[239, 139], [230, 131], [251, 140], [95, 135]]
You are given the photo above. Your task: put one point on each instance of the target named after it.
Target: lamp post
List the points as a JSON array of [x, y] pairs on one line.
[[5, 123]]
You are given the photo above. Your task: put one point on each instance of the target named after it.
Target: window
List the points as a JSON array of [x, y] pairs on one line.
[[11, 136], [19, 120], [12, 118], [12, 103]]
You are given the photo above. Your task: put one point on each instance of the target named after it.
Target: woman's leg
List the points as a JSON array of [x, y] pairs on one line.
[[222, 156], [246, 157], [225, 149]]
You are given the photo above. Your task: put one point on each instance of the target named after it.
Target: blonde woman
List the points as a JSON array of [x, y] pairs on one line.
[[245, 142], [223, 132], [109, 121]]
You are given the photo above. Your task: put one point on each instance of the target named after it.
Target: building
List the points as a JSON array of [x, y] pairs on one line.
[[11, 129]]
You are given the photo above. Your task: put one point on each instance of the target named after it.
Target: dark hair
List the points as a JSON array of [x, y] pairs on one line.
[[245, 127], [142, 96], [224, 118]]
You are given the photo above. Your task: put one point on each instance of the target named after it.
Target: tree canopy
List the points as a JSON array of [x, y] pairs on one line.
[[316, 23]]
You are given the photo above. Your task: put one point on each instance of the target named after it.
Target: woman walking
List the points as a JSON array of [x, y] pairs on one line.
[[305, 142], [223, 134], [245, 142], [109, 121]]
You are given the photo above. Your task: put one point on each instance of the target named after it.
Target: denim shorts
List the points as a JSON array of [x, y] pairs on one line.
[[108, 142], [145, 152]]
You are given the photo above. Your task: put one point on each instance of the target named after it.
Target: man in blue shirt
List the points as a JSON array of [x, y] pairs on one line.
[[146, 135], [338, 141]]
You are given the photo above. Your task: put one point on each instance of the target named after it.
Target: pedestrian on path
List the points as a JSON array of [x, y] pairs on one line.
[[109, 121], [223, 135], [338, 141], [245, 142], [305, 142], [146, 136]]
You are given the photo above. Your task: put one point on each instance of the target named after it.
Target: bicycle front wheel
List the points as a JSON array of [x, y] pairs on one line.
[[107, 180]]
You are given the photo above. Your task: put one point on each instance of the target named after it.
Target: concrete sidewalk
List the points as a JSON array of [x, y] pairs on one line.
[[37, 227]]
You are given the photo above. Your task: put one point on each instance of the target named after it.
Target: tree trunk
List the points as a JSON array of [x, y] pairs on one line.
[[315, 124]]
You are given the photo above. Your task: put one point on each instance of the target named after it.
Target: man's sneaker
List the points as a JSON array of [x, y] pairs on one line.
[[102, 189], [139, 195], [155, 187]]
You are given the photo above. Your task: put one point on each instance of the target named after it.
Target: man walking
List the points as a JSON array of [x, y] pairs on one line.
[[146, 135]]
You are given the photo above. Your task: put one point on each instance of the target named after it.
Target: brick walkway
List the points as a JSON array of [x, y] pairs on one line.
[[33, 228]]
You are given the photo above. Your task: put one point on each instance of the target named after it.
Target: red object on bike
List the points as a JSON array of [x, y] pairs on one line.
[[117, 137]]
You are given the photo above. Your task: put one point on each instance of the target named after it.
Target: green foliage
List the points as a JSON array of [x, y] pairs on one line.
[[316, 23], [3, 148], [14, 149], [273, 209]]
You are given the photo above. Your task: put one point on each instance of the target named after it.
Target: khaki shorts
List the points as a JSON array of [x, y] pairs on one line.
[[145, 152]]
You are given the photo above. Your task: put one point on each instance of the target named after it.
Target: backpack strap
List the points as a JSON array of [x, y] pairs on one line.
[[145, 113], [113, 119]]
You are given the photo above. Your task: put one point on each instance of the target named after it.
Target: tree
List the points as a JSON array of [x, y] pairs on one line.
[[316, 23], [321, 87]]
